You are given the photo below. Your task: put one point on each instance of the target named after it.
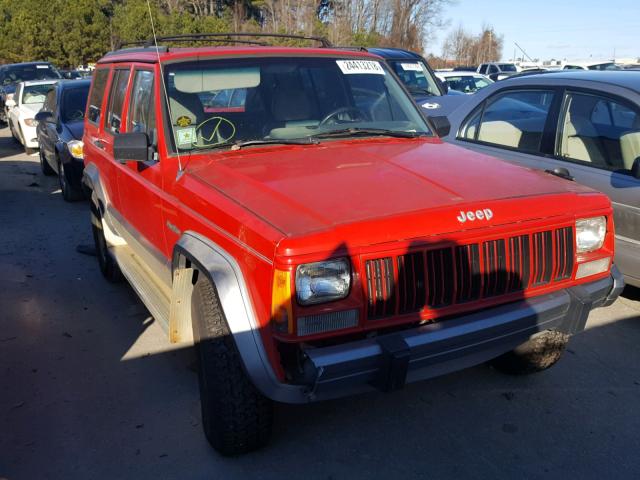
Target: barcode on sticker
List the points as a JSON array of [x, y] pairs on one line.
[[414, 67], [351, 67]]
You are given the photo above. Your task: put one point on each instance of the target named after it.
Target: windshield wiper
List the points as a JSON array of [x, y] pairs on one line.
[[425, 91], [267, 141], [355, 131], [275, 141]]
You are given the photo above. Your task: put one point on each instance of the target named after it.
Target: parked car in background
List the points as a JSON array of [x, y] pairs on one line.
[[72, 74], [59, 135], [591, 66], [465, 82], [14, 73], [417, 76], [585, 125], [497, 70], [22, 107]]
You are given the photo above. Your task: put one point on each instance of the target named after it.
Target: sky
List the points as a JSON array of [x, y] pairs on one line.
[[545, 29]]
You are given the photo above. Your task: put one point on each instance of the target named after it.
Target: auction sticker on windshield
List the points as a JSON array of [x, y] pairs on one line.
[[413, 67], [351, 67]]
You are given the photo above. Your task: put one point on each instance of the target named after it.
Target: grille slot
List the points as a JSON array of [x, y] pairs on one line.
[[441, 277]]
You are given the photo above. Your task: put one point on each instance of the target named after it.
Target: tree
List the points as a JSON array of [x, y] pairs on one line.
[[466, 49]]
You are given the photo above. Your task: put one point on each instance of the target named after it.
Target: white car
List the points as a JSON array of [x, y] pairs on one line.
[[26, 102], [465, 82]]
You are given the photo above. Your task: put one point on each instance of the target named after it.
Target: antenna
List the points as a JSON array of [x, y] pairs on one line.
[[521, 49], [164, 89]]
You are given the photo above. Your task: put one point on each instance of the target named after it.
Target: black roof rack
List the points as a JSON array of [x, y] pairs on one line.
[[211, 37], [227, 37]]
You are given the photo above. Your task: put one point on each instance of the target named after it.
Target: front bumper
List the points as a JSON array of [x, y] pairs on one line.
[[388, 361]]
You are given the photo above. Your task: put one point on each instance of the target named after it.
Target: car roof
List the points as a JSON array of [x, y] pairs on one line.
[[24, 64], [151, 55], [85, 82], [40, 82], [394, 53], [623, 78], [460, 73]]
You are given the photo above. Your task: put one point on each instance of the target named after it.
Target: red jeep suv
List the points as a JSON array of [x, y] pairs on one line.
[[291, 213]]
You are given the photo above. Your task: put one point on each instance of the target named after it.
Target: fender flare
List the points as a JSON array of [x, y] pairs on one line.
[[225, 274]]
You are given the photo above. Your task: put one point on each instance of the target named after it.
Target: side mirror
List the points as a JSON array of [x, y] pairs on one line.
[[440, 125], [43, 116], [131, 147], [10, 103], [444, 85]]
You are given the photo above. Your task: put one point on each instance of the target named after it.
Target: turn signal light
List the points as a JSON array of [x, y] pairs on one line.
[[281, 311]]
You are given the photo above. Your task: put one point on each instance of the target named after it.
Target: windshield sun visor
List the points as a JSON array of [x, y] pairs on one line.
[[203, 80]]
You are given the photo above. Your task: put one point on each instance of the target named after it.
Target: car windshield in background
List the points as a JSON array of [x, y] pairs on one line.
[[34, 94], [286, 100], [26, 73], [74, 101], [415, 77], [507, 67], [467, 83]]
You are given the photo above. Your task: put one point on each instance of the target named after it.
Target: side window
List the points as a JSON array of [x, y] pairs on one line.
[[50, 101], [483, 68], [513, 119], [97, 94], [599, 131], [141, 117], [116, 101], [493, 69]]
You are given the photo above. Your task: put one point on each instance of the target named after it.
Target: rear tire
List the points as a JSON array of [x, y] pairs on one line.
[[537, 354], [107, 263], [236, 417]]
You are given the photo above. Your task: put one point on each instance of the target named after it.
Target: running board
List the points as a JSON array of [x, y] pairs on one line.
[[151, 292]]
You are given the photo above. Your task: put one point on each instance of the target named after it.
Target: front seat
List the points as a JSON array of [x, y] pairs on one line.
[[630, 146], [580, 139]]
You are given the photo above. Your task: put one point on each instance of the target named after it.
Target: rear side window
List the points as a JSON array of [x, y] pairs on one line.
[[116, 100], [97, 94], [514, 119]]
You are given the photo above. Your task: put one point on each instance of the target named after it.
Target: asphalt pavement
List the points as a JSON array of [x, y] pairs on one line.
[[90, 388]]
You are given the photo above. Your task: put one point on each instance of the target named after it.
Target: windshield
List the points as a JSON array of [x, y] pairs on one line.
[[415, 76], [25, 73], [74, 101], [467, 83], [33, 94], [507, 67], [224, 102]]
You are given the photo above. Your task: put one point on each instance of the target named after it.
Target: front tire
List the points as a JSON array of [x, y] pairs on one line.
[[44, 165], [236, 417], [536, 354], [69, 192]]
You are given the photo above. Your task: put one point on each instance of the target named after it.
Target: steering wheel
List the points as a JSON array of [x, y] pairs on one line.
[[76, 115], [359, 115]]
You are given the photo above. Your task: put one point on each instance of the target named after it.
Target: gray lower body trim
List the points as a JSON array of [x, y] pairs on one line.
[[436, 349]]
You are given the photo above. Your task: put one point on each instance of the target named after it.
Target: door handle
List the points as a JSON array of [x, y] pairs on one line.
[[99, 144]]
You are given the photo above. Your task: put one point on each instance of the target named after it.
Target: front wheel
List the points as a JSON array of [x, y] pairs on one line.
[[69, 192], [236, 417], [107, 263], [44, 165], [536, 354]]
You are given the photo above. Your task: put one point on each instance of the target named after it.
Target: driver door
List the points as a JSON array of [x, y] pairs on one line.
[[140, 183]]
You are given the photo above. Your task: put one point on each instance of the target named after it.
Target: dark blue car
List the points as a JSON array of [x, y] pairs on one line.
[[59, 131], [418, 77]]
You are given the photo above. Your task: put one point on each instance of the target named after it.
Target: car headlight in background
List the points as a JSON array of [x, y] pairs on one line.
[[9, 97], [30, 122], [323, 281], [76, 149], [590, 233]]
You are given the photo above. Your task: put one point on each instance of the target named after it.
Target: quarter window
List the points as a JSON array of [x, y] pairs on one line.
[[141, 116], [515, 119], [97, 94], [116, 100], [599, 131]]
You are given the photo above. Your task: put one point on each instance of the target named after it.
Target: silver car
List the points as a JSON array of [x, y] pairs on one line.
[[584, 125]]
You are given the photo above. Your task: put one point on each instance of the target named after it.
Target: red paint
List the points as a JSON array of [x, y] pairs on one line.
[[279, 206]]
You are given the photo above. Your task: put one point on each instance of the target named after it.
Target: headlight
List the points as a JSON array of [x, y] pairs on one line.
[[76, 149], [590, 233], [323, 281], [30, 122]]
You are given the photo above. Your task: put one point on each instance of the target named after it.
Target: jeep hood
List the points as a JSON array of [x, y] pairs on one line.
[[304, 189]]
